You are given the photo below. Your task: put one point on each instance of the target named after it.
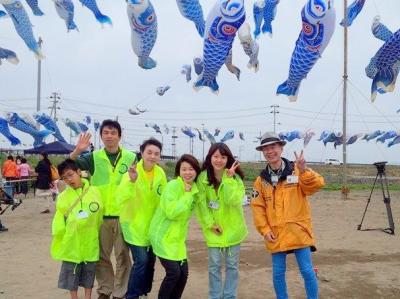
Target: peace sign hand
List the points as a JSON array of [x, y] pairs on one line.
[[300, 162], [231, 171], [133, 174]]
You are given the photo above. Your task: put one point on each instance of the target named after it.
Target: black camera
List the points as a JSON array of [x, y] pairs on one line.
[[380, 166]]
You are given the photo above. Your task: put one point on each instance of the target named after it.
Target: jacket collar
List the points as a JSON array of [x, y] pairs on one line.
[[288, 170]]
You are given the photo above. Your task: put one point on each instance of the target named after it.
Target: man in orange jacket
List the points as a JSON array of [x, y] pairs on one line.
[[10, 170], [282, 213]]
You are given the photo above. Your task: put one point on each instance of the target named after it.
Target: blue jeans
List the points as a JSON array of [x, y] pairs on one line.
[[216, 256], [142, 272], [303, 257]]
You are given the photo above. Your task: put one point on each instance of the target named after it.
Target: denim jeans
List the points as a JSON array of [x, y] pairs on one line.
[[142, 272], [216, 256], [303, 257]]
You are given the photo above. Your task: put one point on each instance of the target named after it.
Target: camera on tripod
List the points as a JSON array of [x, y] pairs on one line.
[[380, 166]]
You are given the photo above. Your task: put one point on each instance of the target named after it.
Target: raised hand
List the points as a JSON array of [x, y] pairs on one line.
[[83, 142], [132, 171], [231, 171], [300, 162]]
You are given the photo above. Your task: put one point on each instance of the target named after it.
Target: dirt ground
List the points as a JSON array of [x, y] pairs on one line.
[[351, 263]]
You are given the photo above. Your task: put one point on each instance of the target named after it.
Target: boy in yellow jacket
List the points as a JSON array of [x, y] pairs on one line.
[[75, 230], [282, 213]]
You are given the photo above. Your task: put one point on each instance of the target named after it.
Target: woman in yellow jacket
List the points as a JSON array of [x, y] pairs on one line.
[[222, 220], [169, 227], [139, 196], [282, 213]]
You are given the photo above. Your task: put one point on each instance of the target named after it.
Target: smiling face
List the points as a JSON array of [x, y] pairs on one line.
[[272, 153], [187, 172], [110, 137], [218, 161], [151, 155]]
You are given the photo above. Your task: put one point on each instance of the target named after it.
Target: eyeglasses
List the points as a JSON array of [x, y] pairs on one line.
[[68, 176]]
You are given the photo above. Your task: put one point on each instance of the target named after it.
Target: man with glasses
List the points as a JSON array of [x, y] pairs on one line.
[[106, 167]]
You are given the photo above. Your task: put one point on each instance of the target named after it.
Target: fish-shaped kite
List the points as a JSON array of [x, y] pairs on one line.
[[396, 140], [92, 5], [318, 18], [23, 26], [18, 123], [250, 46], [188, 132], [198, 65], [187, 71], [8, 55], [162, 89], [224, 19], [209, 136], [264, 10], [65, 10], [387, 135], [384, 67], [155, 127], [34, 5], [47, 122], [307, 137], [354, 138], [228, 136], [352, 12], [5, 131], [73, 125], [192, 10], [143, 23]]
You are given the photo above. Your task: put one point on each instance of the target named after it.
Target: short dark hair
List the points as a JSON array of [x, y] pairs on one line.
[[67, 164], [111, 124], [151, 141], [10, 157], [190, 160], [23, 160]]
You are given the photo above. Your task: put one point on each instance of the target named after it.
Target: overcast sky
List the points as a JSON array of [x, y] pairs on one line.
[[96, 73]]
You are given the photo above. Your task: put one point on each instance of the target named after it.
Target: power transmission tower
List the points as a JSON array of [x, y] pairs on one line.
[[275, 112]]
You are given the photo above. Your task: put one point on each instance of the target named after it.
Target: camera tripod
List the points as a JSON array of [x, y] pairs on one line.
[[386, 198]]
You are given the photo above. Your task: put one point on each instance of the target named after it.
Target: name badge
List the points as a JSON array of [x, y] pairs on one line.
[[82, 215], [213, 205], [292, 179]]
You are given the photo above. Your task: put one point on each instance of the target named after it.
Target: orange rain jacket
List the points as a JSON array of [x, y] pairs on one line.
[[285, 209], [10, 169]]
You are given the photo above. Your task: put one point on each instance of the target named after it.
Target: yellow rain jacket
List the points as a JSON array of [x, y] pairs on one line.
[[107, 177], [75, 234], [169, 227], [227, 213], [138, 202], [285, 209]]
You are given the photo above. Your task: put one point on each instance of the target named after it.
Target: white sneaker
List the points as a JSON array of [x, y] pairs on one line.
[[143, 297]]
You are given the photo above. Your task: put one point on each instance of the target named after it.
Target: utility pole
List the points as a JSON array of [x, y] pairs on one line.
[[55, 99], [275, 112], [345, 189], [202, 127], [173, 145], [39, 82]]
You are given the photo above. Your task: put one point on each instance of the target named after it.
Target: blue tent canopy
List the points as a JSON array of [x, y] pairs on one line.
[[55, 148]]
